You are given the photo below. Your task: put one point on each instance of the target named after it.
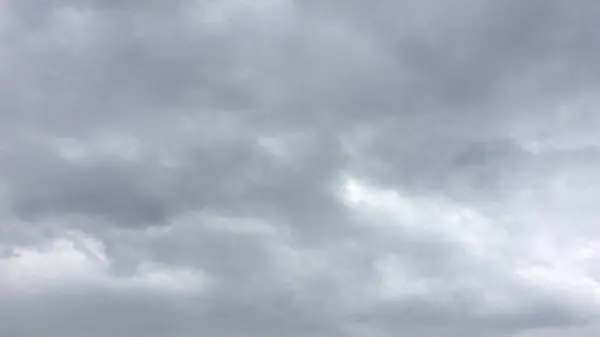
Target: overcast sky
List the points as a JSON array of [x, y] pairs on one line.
[[326, 168]]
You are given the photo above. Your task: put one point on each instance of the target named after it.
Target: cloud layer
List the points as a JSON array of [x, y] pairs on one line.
[[280, 167]]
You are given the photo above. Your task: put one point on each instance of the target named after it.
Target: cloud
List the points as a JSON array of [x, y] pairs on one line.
[[330, 168]]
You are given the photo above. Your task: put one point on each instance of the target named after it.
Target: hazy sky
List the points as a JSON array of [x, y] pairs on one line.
[[326, 168]]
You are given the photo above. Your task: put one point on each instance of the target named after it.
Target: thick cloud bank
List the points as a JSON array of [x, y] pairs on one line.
[[299, 168]]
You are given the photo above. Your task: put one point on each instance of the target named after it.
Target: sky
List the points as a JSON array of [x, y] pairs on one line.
[[330, 168]]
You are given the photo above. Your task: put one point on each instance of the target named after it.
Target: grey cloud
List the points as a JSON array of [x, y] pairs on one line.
[[256, 112], [105, 189], [236, 178], [92, 313]]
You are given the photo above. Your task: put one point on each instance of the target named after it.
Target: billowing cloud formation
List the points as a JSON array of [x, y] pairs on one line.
[[280, 167]]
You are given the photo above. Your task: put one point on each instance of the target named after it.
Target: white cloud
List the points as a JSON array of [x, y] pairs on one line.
[[79, 261]]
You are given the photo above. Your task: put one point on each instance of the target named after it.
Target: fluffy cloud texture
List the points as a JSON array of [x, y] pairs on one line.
[[299, 168]]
